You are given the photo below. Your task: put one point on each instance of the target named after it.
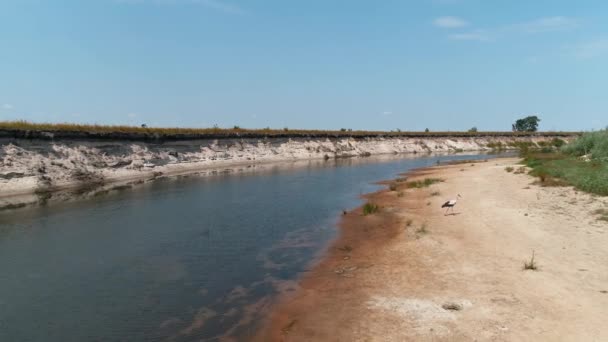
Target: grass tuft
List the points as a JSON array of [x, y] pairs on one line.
[[435, 193], [422, 230], [509, 169], [370, 208], [602, 213], [520, 170], [393, 187], [531, 264], [423, 183]]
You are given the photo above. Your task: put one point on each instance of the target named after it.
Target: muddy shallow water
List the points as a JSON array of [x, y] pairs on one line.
[[178, 259]]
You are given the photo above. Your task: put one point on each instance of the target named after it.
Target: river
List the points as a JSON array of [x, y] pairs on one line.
[[183, 259]]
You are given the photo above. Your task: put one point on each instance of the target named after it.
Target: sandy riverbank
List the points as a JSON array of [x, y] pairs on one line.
[[383, 280]]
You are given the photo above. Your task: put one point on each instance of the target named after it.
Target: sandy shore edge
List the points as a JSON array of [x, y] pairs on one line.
[[391, 275]]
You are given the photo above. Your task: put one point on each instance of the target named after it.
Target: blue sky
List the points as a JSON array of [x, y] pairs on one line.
[[441, 64]]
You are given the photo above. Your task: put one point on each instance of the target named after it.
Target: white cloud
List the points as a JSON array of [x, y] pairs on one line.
[[478, 35], [218, 5], [591, 49], [7, 106], [450, 22], [387, 113], [540, 25], [548, 24]]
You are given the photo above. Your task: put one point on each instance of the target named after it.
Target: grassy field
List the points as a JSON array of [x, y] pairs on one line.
[[582, 163], [237, 131]]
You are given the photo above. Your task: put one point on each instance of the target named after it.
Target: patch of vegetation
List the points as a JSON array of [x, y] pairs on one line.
[[393, 187], [531, 264], [558, 169], [496, 146], [603, 214], [409, 222], [370, 208], [451, 306], [509, 169], [423, 183], [22, 125], [346, 248], [422, 230], [400, 194], [558, 143], [591, 144], [520, 170], [435, 193]]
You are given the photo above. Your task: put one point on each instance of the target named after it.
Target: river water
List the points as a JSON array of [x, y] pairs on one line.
[[183, 259]]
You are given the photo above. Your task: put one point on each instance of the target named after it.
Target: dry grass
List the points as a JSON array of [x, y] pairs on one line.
[[602, 213], [509, 169], [435, 193], [531, 264], [237, 131], [422, 230], [520, 170]]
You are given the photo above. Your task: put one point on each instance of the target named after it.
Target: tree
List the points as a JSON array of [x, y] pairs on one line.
[[527, 124], [473, 130]]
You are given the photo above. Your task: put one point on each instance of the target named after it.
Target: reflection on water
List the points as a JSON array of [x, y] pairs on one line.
[[179, 259]]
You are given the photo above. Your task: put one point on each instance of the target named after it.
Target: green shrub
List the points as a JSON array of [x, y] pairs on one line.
[[594, 143], [557, 142], [370, 208]]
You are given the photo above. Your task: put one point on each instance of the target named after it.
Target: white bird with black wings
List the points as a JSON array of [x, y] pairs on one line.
[[450, 204]]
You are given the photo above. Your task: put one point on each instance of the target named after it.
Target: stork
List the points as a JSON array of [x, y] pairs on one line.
[[450, 204]]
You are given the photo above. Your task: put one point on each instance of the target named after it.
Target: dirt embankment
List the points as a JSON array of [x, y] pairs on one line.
[[412, 273], [44, 165]]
